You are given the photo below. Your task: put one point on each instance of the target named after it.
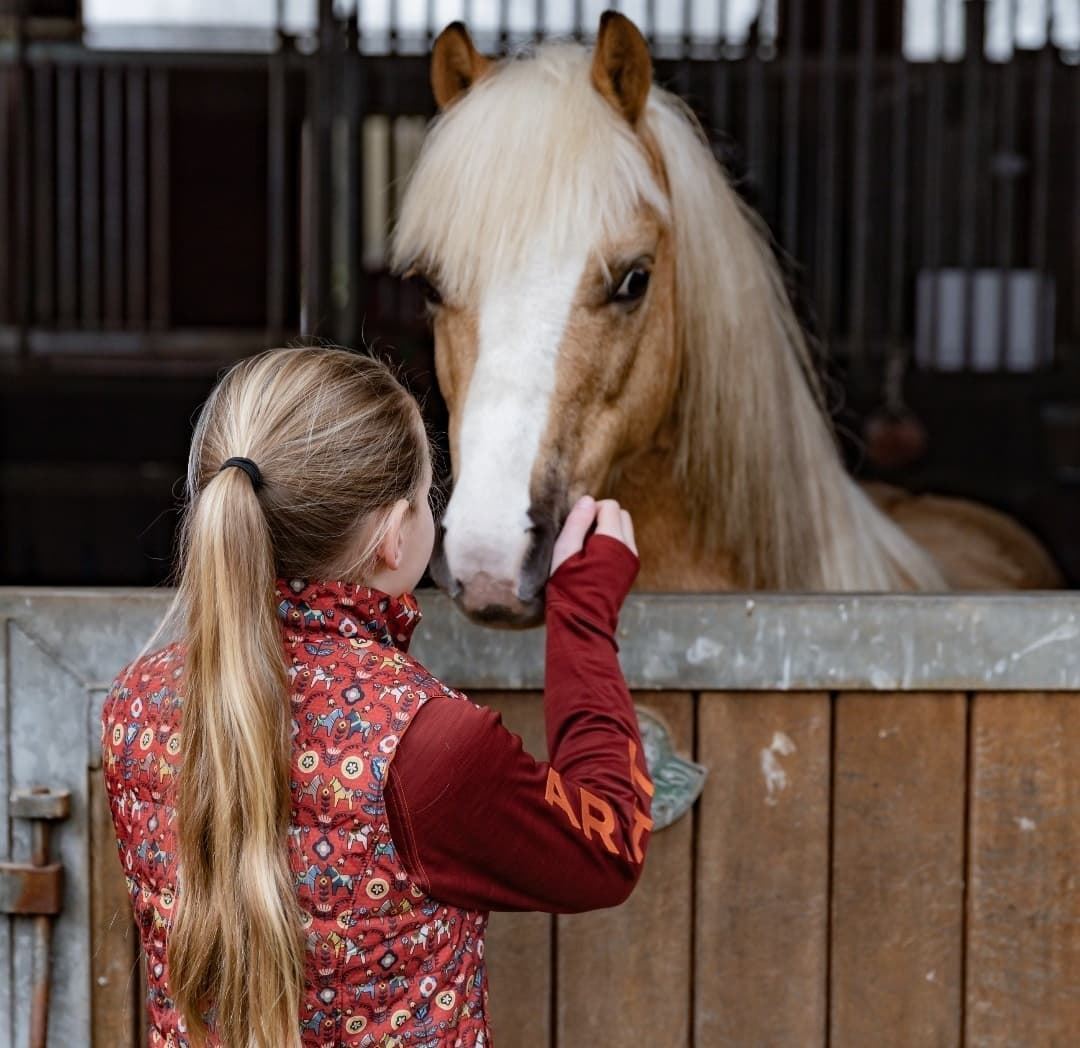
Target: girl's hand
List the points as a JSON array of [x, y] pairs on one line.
[[611, 519]]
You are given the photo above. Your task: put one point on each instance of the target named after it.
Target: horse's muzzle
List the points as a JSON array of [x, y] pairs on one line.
[[495, 601]]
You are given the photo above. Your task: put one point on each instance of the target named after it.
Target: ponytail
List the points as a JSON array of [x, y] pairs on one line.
[[236, 938]]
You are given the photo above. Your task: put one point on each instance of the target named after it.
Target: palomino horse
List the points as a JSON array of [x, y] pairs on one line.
[[609, 318]]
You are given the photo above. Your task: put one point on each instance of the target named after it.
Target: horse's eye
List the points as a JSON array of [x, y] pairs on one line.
[[425, 287], [633, 286]]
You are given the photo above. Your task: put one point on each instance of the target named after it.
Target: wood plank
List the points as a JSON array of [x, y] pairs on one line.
[[1023, 949], [114, 983], [898, 870], [760, 944], [518, 945], [623, 974]]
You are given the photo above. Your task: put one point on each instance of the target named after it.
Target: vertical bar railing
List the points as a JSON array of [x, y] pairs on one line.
[[135, 131], [89, 196], [898, 217], [1044, 83], [67, 203], [793, 88], [44, 213], [276, 189], [24, 187], [974, 43], [861, 203], [826, 202], [7, 310], [159, 200], [932, 209], [113, 205], [1003, 234]]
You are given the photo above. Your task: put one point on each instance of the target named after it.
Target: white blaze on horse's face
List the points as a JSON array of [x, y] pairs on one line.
[[488, 532]]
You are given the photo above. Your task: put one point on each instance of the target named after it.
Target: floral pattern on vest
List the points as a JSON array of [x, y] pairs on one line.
[[387, 965]]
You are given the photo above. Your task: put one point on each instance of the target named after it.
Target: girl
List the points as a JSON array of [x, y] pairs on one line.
[[312, 826]]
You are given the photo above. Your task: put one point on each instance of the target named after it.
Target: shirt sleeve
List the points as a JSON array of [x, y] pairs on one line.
[[480, 823]]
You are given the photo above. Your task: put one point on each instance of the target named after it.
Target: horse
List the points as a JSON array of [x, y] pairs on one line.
[[609, 317]]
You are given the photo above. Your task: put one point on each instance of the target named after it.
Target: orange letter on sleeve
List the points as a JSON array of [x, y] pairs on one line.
[[604, 825], [554, 794]]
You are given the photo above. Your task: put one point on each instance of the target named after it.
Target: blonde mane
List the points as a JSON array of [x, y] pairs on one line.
[[534, 154]]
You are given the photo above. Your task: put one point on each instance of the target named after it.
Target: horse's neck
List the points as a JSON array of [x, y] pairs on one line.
[[646, 486]]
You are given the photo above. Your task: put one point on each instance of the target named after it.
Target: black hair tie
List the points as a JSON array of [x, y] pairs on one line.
[[248, 467]]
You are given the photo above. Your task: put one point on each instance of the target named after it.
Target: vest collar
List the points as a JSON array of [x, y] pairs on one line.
[[347, 609]]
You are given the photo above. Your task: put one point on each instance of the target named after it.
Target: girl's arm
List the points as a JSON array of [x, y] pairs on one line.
[[479, 823]]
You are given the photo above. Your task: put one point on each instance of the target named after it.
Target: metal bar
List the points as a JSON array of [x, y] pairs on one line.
[[793, 88], [321, 96], [7, 303], [860, 228], [24, 185], [113, 101], [721, 74], [932, 214], [1044, 85], [391, 190], [90, 196], [756, 132], [276, 193], [136, 199], [898, 217], [1003, 236], [974, 41], [67, 184], [826, 210], [159, 199], [1076, 219], [355, 107], [503, 24], [44, 232]]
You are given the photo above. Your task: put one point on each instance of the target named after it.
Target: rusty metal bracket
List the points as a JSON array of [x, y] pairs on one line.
[[30, 891]]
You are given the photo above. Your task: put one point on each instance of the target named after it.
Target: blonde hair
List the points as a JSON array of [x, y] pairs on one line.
[[337, 440]]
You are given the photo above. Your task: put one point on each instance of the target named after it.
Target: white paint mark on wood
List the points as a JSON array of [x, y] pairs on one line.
[[776, 778], [1026, 825]]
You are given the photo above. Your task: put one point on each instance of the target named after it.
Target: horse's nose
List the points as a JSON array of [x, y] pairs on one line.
[[534, 568]]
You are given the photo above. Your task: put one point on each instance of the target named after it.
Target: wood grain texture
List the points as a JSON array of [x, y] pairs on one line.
[[624, 974], [898, 870], [113, 937], [1023, 950], [518, 945], [760, 953]]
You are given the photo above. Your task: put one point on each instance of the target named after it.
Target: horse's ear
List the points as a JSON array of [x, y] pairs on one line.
[[621, 67], [455, 64]]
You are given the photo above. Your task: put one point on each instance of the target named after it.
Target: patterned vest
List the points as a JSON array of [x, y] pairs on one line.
[[387, 965]]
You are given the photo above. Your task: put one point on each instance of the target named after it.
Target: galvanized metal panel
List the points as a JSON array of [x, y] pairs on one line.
[[47, 745], [732, 642]]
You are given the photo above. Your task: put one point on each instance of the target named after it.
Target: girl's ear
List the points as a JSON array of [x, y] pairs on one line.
[[392, 545]]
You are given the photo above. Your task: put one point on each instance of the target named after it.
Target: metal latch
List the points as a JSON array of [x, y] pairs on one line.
[[35, 889]]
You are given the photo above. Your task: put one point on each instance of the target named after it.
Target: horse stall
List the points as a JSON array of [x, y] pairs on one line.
[[884, 850]]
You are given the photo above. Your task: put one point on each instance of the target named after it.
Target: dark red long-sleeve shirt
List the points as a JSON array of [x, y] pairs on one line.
[[480, 823]]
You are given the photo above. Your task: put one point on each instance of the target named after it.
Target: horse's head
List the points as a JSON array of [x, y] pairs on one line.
[[537, 220]]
